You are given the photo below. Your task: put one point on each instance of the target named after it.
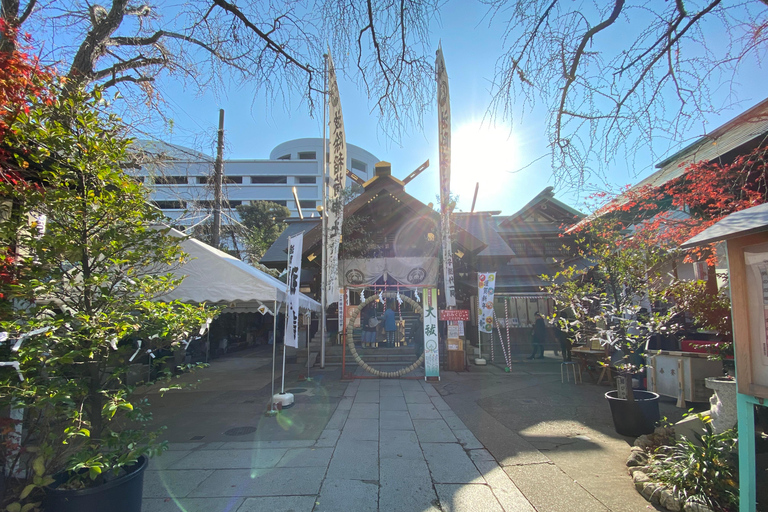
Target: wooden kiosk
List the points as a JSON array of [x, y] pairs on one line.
[[746, 236]]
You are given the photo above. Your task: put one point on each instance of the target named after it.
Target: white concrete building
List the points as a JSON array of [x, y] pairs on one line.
[[181, 185]]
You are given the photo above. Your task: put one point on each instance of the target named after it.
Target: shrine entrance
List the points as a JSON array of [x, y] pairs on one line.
[[351, 322]]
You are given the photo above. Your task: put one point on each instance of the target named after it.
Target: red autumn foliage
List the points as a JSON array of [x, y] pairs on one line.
[[670, 214]]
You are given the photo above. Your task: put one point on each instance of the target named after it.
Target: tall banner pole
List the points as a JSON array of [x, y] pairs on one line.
[[338, 176], [444, 133], [431, 346], [272, 411], [324, 219]]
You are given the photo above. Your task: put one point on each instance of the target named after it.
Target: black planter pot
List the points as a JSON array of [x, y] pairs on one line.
[[122, 494], [636, 418]]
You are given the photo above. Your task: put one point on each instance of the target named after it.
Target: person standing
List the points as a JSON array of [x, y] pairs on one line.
[[538, 336], [390, 326], [370, 323], [417, 335]]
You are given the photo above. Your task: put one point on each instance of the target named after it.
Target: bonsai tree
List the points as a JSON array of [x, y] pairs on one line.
[[609, 291], [86, 260]]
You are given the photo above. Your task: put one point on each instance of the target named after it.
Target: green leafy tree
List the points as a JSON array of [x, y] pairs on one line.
[[90, 260], [262, 223]]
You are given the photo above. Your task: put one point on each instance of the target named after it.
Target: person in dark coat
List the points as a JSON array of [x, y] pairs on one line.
[[370, 323], [417, 335], [390, 326], [538, 336]]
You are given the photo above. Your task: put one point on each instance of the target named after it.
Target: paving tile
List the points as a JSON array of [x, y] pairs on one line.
[[424, 412], [508, 494], [467, 498], [328, 438], [392, 403], [306, 457], [395, 420], [355, 460], [450, 464], [416, 397], [368, 385], [364, 411], [166, 458], [433, 431], [467, 439], [453, 421], [367, 397], [399, 444], [559, 493], [406, 485], [429, 389], [264, 445], [261, 482], [348, 494], [184, 446], [231, 459], [345, 403], [276, 504], [440, 404], [390, 391], [337, 420], [193, 505], [173, 483], [361, 430]]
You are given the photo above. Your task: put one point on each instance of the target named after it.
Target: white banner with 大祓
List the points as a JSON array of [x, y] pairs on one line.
[[295, 244], [337, 179], [444, 135], [486, 286]]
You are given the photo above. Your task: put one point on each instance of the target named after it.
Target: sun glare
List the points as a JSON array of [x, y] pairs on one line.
[[481, 152]]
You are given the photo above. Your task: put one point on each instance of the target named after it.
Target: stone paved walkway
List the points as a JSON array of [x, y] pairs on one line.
[[390, 445]]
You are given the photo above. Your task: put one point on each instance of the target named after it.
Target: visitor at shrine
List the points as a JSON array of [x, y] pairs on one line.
[[390, 326], [538, 336], [370, 324], [417, 335]]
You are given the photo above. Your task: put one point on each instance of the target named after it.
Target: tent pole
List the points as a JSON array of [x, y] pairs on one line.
[[274, 344], [285, 331]]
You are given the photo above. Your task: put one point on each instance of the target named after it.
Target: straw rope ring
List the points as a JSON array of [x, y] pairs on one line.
[[351, 340]]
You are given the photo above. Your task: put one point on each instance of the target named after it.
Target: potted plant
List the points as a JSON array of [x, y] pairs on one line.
[[86, 261], [608, 294]]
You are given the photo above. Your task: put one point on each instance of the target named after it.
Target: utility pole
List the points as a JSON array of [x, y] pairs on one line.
[[324, 222], [218, 171]]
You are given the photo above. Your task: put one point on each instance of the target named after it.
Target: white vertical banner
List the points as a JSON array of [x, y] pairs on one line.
[[337, 178], [295, 248], [444, 133], [342, 310], [486, 287], [431, 340]]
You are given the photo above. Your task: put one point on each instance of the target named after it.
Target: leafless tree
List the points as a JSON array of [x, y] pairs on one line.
[[275, 46], [618, 75]]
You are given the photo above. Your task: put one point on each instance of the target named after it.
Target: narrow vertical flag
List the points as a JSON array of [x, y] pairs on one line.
[[431, 346], [444, 132], [338, 173], [295, 248], [486, 287]]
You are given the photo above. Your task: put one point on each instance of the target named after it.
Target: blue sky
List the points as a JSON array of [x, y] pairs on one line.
[[508, 158]]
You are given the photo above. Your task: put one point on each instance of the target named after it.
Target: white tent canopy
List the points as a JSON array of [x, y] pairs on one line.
[[216, 277]]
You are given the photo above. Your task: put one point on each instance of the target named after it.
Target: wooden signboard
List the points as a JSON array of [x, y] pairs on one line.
[[748, 263]]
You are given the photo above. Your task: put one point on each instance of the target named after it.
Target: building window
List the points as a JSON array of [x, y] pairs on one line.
[[553, 247], [284, 157], [274, 180], [229, 180], [307, 155], [170, 205], [281, 203], [360, 167], [138, 179], [307, 204], [306, 179], [170, 180]]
